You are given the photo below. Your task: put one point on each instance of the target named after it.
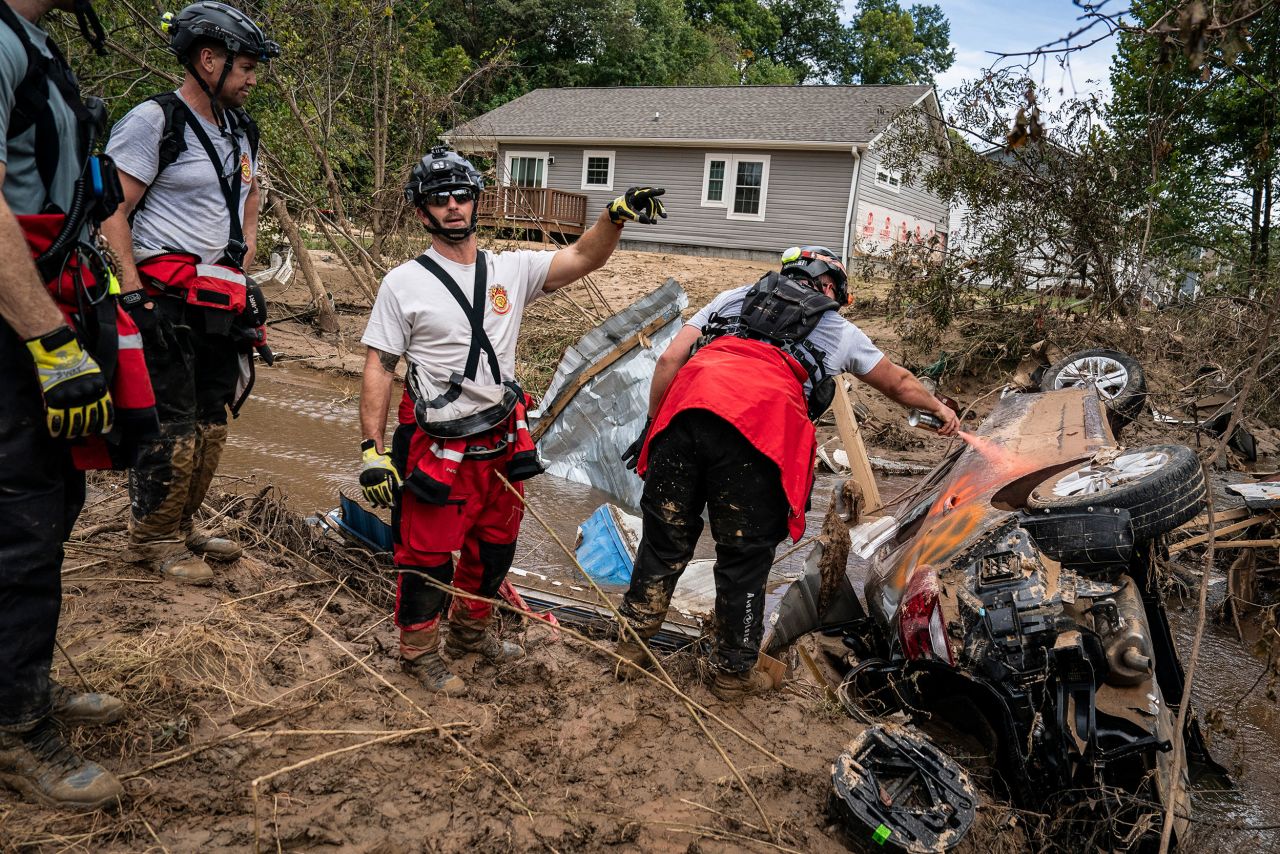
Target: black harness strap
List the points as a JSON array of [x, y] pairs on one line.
[[228, 184], [474, 311]]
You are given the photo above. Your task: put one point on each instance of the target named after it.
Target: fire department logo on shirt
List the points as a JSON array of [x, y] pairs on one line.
[[246, 168], [499, 300]]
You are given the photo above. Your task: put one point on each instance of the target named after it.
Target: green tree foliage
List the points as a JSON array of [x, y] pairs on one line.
[[1198, 119], [890, 44]]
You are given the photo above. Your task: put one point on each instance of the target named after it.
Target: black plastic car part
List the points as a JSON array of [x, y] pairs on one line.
[[1085, 538], [893, 790]]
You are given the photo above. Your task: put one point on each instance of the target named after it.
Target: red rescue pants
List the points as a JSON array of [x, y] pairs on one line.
[[481, 520]]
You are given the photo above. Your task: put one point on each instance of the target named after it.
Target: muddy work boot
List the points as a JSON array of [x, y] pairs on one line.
[[480, 637], [171, 558], [636, 658], [41, 765], [214, 548], [420, 658], [732, 687], [74, 708]]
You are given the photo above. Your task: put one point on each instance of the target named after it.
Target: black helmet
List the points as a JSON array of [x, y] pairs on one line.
[[443, 169], [221, 23], [810, 262]]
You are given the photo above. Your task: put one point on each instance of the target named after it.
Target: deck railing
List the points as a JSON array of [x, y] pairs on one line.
[[543, 208]]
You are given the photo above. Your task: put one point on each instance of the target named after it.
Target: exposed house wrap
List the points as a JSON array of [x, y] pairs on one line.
[[603, 415]]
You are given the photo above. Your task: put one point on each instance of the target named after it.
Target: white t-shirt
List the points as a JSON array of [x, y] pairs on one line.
[[845, 347], [184, 209], [415, 316]]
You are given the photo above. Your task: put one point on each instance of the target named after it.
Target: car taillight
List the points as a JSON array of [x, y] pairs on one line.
[[920, 618]]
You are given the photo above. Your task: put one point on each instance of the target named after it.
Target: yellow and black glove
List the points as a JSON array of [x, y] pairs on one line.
[[76, 400], [638, 204], [378, 477]]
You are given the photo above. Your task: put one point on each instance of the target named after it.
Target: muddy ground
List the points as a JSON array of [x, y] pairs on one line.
[[268, 712]]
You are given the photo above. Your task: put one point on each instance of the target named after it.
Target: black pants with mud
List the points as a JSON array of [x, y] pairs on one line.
[[698, 461], [194, 375], [41, 495]]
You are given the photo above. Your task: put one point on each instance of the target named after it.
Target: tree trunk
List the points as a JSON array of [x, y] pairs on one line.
[[326, 319]]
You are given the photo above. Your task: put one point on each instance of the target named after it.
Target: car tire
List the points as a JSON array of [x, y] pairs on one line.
[[1162, 486], [1118, 377]]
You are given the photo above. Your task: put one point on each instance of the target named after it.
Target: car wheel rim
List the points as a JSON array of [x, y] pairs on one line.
[[1100, 477], [1104, 373]]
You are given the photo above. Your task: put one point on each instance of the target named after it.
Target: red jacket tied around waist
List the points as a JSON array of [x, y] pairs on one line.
[[760, 391]]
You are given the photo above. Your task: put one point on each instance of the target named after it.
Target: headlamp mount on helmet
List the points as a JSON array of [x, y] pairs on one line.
[[442, 170], [810, 263]]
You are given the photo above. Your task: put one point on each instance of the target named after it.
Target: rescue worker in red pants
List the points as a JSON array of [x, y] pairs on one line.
[[730, 430], [454, 315], [188, 225], [52, 393]]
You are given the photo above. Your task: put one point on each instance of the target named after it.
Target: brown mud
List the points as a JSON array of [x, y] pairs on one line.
[[284, 672]]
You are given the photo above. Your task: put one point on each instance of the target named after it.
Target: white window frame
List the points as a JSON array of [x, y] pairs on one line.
[[731, 182], [544, 156], [892, 179], [586, 157], [706, 179]]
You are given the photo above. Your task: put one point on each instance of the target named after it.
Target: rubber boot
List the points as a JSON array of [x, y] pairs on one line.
[[420, 658], [75, 708], [732, 687], [41, 765], [479, 636]]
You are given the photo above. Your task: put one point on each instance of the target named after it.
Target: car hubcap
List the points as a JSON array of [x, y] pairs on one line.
[[1099, 477], [1107, 375]]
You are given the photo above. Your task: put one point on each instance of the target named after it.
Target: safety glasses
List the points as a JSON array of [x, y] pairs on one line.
[[441, 197]]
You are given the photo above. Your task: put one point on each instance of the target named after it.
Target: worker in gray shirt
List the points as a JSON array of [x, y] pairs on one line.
[[188, 224], [51, 391]]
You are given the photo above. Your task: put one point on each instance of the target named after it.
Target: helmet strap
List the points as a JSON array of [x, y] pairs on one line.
[[457, 235], [91, 27]]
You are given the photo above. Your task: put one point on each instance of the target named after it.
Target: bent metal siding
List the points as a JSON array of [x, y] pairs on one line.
[[806, 201]]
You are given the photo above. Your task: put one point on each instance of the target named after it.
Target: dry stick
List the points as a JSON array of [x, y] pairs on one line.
[[626, 626], [85, 682], [1246, 388], [201, 748], [459, 746], [151, 830], [508, 607], [440, 729]]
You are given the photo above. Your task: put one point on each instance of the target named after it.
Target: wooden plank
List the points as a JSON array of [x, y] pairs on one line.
[[1219, 532], [1248, 544], [623, 348], [1225, 516], [851, 438]]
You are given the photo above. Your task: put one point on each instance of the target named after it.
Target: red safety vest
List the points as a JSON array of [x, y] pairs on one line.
[[437, 460], [760, 391], [115, 344], [215, 286]]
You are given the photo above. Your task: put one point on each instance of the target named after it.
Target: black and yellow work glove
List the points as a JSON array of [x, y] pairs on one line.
[[76, 400], [638, 204], [379, 479]]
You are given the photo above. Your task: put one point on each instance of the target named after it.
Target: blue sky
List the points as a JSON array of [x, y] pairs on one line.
[[978, 26]]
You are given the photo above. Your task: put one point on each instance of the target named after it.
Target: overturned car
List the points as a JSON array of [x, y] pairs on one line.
[[1016, 605]]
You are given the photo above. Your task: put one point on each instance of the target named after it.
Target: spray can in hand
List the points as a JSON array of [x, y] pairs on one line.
[[924, 420]]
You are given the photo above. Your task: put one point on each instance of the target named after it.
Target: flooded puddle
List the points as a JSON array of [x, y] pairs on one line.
[[300, 432]]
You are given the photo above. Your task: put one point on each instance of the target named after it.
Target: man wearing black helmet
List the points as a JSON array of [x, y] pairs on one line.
[[188, 225], [454, 314], [51, 391], [730, 429]]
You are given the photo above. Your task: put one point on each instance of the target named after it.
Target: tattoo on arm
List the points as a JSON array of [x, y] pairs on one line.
[[388, 360]]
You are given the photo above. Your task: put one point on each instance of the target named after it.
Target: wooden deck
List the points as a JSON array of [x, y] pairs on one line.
[[542, 208]]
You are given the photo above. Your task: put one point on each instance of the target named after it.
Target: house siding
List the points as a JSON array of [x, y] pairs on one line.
[[909, 199], [806, 200]]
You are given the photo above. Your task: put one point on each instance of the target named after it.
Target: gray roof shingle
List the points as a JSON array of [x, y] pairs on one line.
[[820, 114]]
